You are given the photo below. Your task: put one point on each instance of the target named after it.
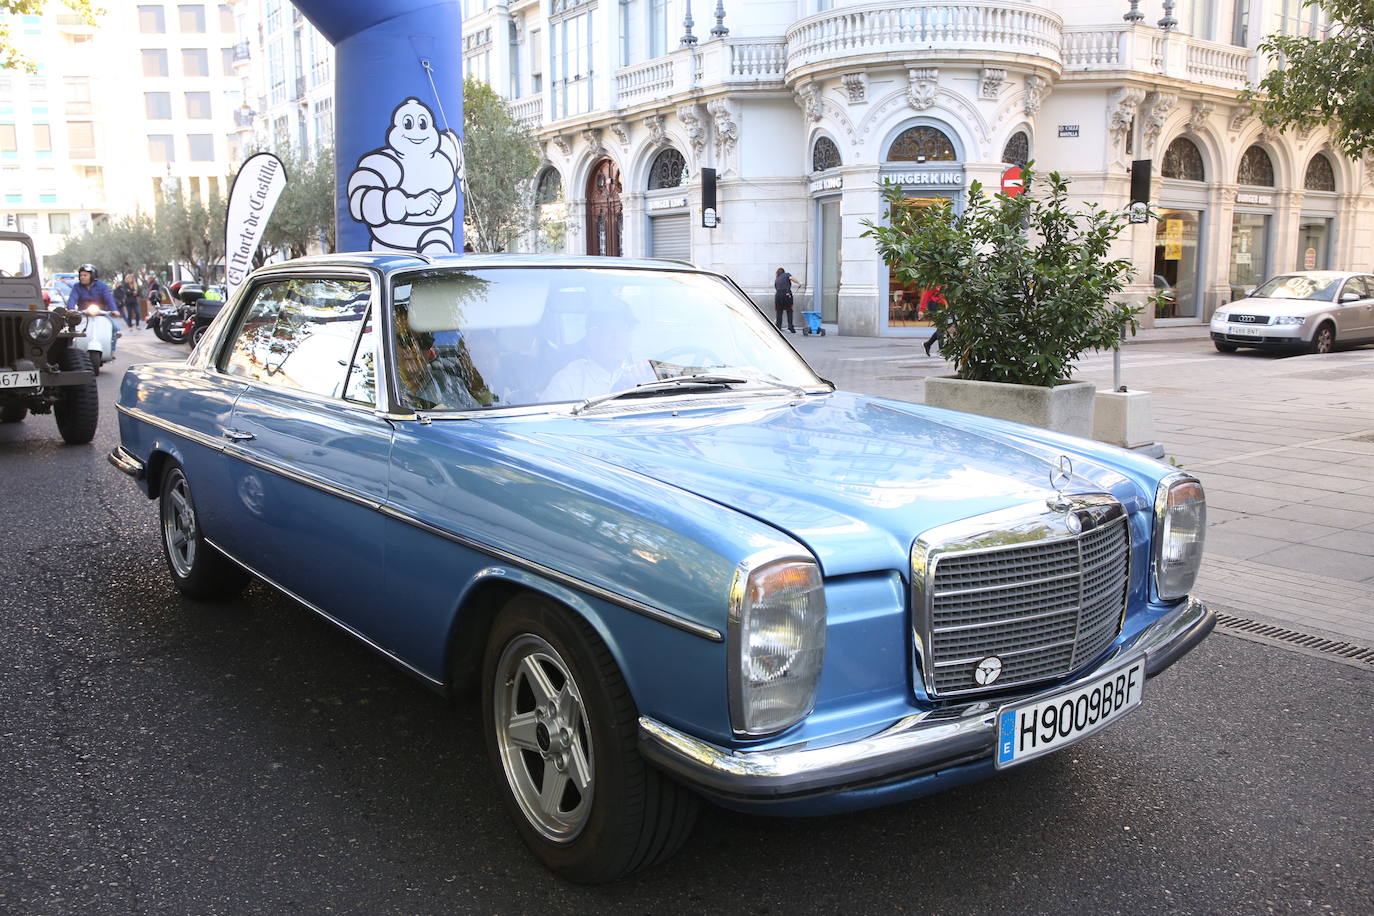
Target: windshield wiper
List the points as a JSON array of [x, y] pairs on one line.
[[677, 382]]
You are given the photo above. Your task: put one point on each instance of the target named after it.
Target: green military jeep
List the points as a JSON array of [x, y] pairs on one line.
[[40, 370]]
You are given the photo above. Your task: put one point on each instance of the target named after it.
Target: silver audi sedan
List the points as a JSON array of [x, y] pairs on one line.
[[1314, 310]]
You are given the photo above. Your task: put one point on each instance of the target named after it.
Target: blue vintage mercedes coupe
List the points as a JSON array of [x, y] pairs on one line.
[[677, 562]]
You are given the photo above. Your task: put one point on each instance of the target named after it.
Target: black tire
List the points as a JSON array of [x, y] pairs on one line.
[[161, 332], [77, 410], [628, 815], [176, 333], [13, 413], [1224, 347], [198, 570], [1324, 340], [94, 358], [198, 333]]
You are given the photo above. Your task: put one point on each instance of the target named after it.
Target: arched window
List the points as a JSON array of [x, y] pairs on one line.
[[921, 144], [1017, 150], [1320, 176], [668, 171], [1256, 168], [1182, 160], [824, 155], [550, 188]]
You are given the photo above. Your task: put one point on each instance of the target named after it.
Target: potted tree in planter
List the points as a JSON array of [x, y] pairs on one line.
[[1028, 286]]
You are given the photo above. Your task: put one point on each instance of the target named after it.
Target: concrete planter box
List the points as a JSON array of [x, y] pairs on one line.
[[1065, 408]]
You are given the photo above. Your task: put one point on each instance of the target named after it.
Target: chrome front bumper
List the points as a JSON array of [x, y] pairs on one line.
[[126, 462], [912, 747]]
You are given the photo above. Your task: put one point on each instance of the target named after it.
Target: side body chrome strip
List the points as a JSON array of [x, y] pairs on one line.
[[370, 502]]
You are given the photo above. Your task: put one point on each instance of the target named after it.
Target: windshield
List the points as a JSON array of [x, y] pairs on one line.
[[510, 337], [14, 259], [1319, 287]]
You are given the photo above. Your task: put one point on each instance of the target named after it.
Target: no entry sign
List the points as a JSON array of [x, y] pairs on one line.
[[1012, 185]]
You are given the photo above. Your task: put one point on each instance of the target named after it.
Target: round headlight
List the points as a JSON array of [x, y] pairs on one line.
[[39, 329]]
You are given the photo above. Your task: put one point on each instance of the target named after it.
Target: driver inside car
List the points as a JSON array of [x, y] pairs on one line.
[[608, 365]]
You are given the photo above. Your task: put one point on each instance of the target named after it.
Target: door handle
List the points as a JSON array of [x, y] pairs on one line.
[[236, 435]]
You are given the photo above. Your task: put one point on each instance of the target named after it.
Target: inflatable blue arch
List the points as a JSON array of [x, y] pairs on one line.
[[398, 122]]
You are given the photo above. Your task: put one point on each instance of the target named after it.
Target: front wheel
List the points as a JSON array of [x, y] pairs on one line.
[[198, 333], [562, 730], [77, 410], [13, 413], [1324, 341], [198, 569]]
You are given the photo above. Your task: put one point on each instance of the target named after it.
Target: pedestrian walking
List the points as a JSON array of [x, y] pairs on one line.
[[782, 298], [126, 297], [931, 301], [154, 293]]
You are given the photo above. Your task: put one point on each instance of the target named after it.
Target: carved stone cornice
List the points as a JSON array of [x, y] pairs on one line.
[[1037, 87], [1199, 116], [922, 86], [1162, 105], [592, 137], [856, 86], [690, 116], [655, 125], [727, 132], [563, 144], [1121, 111], [621, 131], [990, 82], [809, 98]]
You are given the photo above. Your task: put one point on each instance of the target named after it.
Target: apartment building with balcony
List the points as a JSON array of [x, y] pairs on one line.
[[286, 78], [115, 111], [804, 107]]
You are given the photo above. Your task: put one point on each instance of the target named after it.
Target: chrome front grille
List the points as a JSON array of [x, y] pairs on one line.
[[1044, 595]]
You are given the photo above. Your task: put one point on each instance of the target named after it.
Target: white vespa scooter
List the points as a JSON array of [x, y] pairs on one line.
[[99, 332]]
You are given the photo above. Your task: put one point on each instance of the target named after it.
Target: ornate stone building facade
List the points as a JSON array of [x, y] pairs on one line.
[[804, 108]]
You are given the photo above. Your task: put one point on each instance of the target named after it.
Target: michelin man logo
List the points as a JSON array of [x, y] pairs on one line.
[[407, 192]]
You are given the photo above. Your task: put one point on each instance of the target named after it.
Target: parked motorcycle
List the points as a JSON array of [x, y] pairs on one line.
[[98, 336], [168, 322]]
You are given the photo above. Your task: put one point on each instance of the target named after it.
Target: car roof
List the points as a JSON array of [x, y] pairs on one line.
[[388, 262], [1322, 274]]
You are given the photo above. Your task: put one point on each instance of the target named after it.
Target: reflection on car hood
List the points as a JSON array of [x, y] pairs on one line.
[[1262, 305], [854, 478]]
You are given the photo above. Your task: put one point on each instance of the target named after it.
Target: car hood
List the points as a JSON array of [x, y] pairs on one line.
[[1261, 305], [854, 478]]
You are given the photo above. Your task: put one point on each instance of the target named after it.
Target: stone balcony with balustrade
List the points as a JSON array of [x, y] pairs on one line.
[[997, 33]]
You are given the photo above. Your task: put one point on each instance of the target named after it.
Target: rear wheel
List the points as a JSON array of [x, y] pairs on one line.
[[1224, 347], [77, 410], [198, 333], [13, 413], [1324, 341], [562, 730], [198, 569]]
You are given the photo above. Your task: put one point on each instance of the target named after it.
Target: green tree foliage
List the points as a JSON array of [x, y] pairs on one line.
[[192, 233], [305, 211], [116, 247], [11, 58], [500, 158], [1324, 81], [1028, 282]]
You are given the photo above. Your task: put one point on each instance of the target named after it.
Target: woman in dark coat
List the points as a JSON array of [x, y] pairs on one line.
[[782, 298]]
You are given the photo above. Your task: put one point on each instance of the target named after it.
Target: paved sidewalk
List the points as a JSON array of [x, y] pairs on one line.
[[1284, 448]]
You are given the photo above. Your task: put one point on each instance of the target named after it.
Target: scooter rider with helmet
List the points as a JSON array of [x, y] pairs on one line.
[[87, 289]]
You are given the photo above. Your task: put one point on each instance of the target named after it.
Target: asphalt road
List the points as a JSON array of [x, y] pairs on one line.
[[160, 755]]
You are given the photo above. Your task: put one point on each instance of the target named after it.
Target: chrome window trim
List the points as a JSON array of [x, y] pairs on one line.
[[327, 616], [588, 588], [735, 616], [1157, 542], [1023, 525]]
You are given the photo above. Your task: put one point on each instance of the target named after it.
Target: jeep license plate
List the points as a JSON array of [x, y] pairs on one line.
[[1026, 732], [29, 378]]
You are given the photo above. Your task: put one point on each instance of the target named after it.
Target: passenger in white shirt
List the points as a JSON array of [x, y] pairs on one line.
[[608, 365]]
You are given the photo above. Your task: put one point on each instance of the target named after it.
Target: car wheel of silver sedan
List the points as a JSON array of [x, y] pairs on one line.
[[1324, 340], [562, 730], [198, 569]]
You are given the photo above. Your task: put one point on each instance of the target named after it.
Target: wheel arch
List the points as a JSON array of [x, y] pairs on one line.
[[487, 592]]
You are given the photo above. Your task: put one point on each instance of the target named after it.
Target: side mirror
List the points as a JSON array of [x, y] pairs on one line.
[[1249, 291], [1350, 296]]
